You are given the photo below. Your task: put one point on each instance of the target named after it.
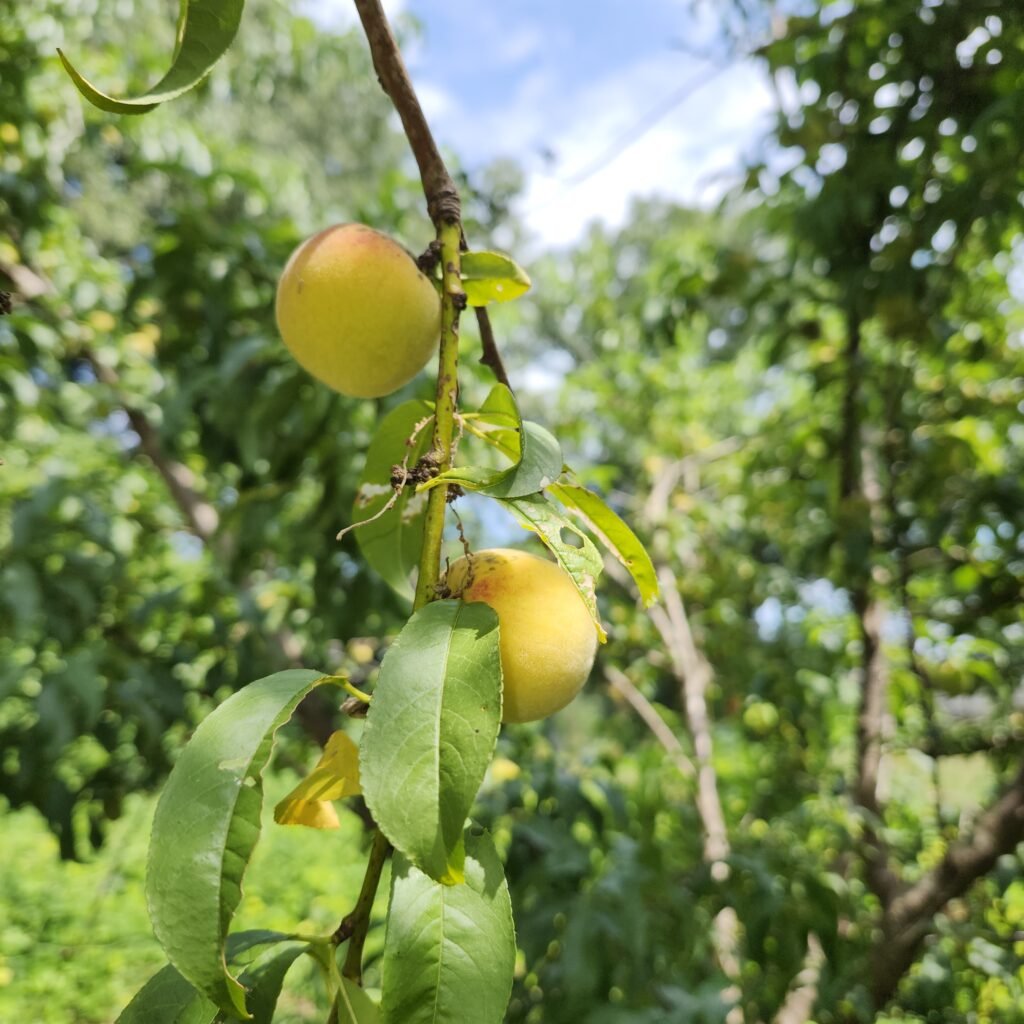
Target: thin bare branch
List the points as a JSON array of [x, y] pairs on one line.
[[803, 992], [491, 357], [643, 707], [438, 186], [201, 516], [28, 283], [694, 674], [686, 471]]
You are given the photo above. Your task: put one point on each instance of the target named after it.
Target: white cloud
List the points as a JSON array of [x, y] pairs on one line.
[[544, 106], [691, 155]]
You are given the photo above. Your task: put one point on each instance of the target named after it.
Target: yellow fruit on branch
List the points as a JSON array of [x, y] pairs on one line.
[[356, 312], [547, 636]]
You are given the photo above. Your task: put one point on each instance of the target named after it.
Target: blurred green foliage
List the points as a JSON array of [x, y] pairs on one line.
[[804, 401]]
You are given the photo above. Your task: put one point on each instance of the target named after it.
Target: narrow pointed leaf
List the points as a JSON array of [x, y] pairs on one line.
[[583, 564], [206, 826], [206, 29], [492, 277], [431, 730], [391, 544], [449, 951], [613, 533]]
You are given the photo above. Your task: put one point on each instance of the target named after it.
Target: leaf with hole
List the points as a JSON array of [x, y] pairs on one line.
[[206, 826], [613, 533], [583, 563], [449, 951], [431, 730], [391, 540], [492, 277], [206, 29]]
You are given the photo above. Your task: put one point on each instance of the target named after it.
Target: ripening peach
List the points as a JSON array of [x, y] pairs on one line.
[[548, 639], [356, 312]]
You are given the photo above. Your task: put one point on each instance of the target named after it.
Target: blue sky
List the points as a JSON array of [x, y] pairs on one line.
[[560, 86]]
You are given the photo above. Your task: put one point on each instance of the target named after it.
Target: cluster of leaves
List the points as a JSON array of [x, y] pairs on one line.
[[430, 731]]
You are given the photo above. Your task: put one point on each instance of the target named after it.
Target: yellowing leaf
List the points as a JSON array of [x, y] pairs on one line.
[[311, 813], [335, 776]]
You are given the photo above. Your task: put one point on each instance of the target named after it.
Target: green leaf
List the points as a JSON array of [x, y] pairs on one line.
[[431, 730], [583, 564], [449, 951], [264, 979], [353, 1006], [492, 277], [539, 465], [206, 29], [206, 826], [501, 409], [167, 998], [536, 455], [391, 543], [613, 533]]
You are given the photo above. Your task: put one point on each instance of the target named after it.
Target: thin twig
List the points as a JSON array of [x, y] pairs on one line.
[[643, 707], [694, 674], [491, 357], [799, 1003], [438, 185], [354, 925]]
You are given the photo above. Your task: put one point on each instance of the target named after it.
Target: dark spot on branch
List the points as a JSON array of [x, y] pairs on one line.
[[428, 260], [6, 306]]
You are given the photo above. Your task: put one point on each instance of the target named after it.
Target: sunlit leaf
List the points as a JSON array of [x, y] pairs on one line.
[[206, 826], [431, 730], [353, 1006], [492, 277], [535, 454], [583, 562], [613, 533], [449, 950], [206, 29]]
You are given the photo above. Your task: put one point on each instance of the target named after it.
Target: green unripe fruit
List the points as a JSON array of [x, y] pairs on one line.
[[356, 312], [547, 637]]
